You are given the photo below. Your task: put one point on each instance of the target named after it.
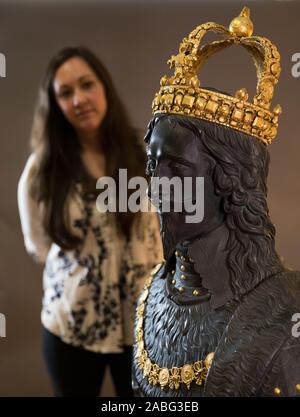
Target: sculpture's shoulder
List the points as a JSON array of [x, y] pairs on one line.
[[258, 345], [273, 303], [276, 300], [286, 290], [290, 277], [283, 375]]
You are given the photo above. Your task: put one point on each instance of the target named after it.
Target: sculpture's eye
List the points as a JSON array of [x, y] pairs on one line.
[[179, 169], [150, 167]]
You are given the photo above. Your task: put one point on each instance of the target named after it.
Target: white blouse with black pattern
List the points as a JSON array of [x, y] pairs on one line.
[[90, 292]]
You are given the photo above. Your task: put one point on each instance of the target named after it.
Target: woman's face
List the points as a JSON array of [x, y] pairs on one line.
[[80, 95]]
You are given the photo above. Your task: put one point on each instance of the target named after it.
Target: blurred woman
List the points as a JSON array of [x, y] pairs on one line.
[[95, 262]]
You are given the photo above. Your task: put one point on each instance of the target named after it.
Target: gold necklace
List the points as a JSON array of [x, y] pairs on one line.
[[166, 377]]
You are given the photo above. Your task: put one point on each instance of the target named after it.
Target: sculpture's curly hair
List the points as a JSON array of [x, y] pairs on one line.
[[239, 168]]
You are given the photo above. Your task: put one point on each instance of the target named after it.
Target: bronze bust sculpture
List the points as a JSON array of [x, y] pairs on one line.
[[216, 318]]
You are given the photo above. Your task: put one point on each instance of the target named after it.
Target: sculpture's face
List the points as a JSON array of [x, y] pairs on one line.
[[174, 151]]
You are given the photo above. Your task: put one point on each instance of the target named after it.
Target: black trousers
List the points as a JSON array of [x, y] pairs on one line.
[[76, 372]]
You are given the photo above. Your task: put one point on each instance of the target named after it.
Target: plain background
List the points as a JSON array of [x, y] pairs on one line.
[[134, 39]]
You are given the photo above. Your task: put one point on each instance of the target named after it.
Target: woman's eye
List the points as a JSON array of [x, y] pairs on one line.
[[65, 94], [87, 85]]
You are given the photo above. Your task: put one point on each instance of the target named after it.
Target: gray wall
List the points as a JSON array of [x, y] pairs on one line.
[[134, 39]]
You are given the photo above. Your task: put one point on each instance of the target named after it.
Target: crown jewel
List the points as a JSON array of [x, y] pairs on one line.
[[182, 94]]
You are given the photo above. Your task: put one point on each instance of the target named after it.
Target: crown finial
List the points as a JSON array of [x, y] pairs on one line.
[[242, 26], [245, 12]]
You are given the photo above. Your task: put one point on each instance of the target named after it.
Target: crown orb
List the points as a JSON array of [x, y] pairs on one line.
[[241, 26]]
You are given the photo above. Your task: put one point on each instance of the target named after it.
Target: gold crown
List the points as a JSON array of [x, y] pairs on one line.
[[181, 93]]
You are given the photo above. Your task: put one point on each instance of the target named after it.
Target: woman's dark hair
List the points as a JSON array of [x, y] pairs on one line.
[[57, 149], [239, 169]]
